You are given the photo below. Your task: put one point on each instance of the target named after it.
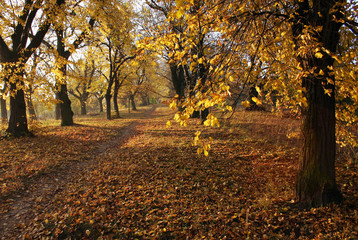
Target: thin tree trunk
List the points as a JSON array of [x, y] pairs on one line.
[[83, 107], [131, 97], [31, 107], [66, 111], [115, 97], [3, 110], [108, 106], [100, 102], [108, 97], [3, 104], [179, 83]]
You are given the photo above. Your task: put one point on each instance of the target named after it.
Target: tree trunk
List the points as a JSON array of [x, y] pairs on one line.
[[18, 122], [83, 107], [100, 102], [108, 97], [3, 110], [66, 111], [57, 109], [115, 97], [65, 104], [31, 107], [316, 180], [179, 83], [3, 103], [115, 105], [131, 97], [108, 106]]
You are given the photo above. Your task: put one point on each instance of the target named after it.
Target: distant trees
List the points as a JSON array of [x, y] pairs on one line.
[[83, 78]]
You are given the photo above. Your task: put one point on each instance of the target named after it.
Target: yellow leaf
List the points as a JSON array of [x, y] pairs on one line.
[[179, 13], [319, 55], [256, 100], [258, 90], [245, 104], [207, 123], [173, 105], [169, 124], [206, 153]]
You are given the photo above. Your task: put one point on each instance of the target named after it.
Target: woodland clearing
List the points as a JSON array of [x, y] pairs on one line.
[[134, 178]]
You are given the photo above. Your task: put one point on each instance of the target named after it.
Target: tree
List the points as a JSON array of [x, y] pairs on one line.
[[116, 43], [116, 58], [17, 46], [62, 57], [316, 35], [3, 103], [82, 83], [298, 38]]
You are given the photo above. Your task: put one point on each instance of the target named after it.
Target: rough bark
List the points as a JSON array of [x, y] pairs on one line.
[[108, 98], [22, 47], [100, 103], [31, 107], [316, 181], [108, 106], [115, 96], [65, 106], [83, 107], [132, 102], [57, 107], [18, 121], [179, 83], [3, 110], [3, 104]]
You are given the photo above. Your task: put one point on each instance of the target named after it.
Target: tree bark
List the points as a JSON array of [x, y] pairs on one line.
[[115, 96], [3, 104], [131, 98], [65, 105], [3, 110], [316, 180], [18, 121], [83, 107], [179, 83], [31, 107], [108, 106], [57, 108], [100, 102], [108, 97]]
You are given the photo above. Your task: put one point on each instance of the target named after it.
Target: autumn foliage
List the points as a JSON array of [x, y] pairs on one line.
[[134, 178], [232, 119]]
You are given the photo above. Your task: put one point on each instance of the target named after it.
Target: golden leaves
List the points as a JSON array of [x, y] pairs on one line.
[[318, 55]]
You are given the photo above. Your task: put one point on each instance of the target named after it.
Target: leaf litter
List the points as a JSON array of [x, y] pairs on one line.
[[134, 178]]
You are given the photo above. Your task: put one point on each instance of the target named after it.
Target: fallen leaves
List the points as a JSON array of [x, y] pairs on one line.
[[153, 185]]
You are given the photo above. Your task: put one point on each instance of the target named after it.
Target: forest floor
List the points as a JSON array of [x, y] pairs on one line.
[[134, 178]]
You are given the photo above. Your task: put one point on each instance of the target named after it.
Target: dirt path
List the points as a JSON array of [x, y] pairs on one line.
[[41, 190]]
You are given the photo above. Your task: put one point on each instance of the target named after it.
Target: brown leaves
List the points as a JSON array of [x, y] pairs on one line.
[[153, 185]]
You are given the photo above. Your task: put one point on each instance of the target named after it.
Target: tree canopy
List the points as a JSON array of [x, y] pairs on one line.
[[296, 56]]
